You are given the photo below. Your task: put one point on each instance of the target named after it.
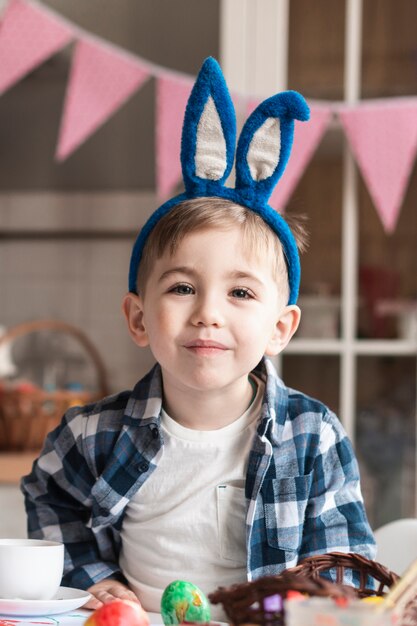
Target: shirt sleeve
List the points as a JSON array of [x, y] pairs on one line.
[[335, 515], [58, 501]]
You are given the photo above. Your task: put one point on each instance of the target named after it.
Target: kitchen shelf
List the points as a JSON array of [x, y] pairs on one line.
[[395, 347]]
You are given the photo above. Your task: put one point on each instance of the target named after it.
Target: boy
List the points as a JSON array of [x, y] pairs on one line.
[[210, 470]]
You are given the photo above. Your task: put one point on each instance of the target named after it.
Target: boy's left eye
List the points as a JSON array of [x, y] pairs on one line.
[[242, 293], [182, 289]]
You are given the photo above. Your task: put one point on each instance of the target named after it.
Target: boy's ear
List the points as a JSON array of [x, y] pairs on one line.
[[285, 328], [132, 307]]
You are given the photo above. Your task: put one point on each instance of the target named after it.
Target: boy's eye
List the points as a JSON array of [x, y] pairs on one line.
[[242, 293], [182, 289]]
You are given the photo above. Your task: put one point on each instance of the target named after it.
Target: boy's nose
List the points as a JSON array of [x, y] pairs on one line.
[[207, 313]]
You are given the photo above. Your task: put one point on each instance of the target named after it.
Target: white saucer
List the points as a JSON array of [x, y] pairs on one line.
[[65, 599]]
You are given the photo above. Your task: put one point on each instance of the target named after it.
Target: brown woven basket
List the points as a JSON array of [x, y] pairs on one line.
[[374, 578], [244, 603], [26, 418]]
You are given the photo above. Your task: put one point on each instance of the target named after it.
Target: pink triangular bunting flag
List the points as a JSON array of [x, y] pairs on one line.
[[101, 80], [172, 94], [29, 35], [383, 138], [307, 136]]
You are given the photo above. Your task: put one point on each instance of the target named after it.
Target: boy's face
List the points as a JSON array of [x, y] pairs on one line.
[[210, 312]]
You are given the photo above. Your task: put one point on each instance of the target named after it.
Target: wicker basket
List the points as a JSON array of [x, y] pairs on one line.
[[374, 578], [244, 603], [26, 418], [367, 570]]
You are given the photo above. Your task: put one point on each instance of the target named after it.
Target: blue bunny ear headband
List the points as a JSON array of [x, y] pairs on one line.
[[207, 154]]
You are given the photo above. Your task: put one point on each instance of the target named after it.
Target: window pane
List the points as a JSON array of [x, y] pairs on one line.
[[386, 435], [318, 198], [389, 48], [387, 278], [317, 376], [316, 48]]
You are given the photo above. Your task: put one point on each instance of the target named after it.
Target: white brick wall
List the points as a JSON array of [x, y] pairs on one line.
[[80, 281]]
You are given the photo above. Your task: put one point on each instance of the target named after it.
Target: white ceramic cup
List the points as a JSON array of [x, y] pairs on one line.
[[30, 569]]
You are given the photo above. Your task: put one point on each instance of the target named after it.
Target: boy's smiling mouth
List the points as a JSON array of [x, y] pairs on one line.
[[205, 347]]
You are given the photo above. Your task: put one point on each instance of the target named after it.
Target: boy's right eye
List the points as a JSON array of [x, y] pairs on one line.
[[182, 289]]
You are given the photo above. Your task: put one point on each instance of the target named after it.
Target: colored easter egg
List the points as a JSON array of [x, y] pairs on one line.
[[373, 600], [119, 613], [184, 602]]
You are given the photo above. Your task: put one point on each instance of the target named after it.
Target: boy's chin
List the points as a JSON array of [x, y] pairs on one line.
[[208, 380]]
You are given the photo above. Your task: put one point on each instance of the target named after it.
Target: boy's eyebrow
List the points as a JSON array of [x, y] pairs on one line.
[[237, 274], [246, 274], [177, 270]]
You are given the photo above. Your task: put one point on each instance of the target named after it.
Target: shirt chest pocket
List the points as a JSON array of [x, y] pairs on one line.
[[231, 515], [285, 502]]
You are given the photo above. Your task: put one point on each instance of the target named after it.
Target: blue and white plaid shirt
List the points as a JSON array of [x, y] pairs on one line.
[[302, 484]]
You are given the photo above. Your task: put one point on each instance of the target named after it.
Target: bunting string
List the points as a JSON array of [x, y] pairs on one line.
[[382, 133]]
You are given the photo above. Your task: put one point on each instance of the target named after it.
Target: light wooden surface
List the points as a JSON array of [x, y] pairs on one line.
[[13, 465]]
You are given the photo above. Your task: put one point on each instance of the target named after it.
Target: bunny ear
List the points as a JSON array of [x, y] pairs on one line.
[[265, 143], [209, 132]]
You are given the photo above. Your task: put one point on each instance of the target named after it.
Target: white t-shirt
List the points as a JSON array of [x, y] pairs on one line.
[[187, 521]]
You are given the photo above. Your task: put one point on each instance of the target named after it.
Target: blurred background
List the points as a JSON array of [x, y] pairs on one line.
[[69, 212]]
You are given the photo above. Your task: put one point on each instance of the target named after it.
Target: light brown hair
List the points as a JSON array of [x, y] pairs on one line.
[[203, 213]]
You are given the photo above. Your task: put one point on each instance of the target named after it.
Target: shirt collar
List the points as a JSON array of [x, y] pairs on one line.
[[145, 403], [275, 402]]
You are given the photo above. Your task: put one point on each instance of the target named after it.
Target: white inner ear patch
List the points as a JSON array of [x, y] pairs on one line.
[[264, 149], [210, 154]]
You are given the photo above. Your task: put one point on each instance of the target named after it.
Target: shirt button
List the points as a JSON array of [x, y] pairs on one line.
[[143, 467], [155, 433]]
